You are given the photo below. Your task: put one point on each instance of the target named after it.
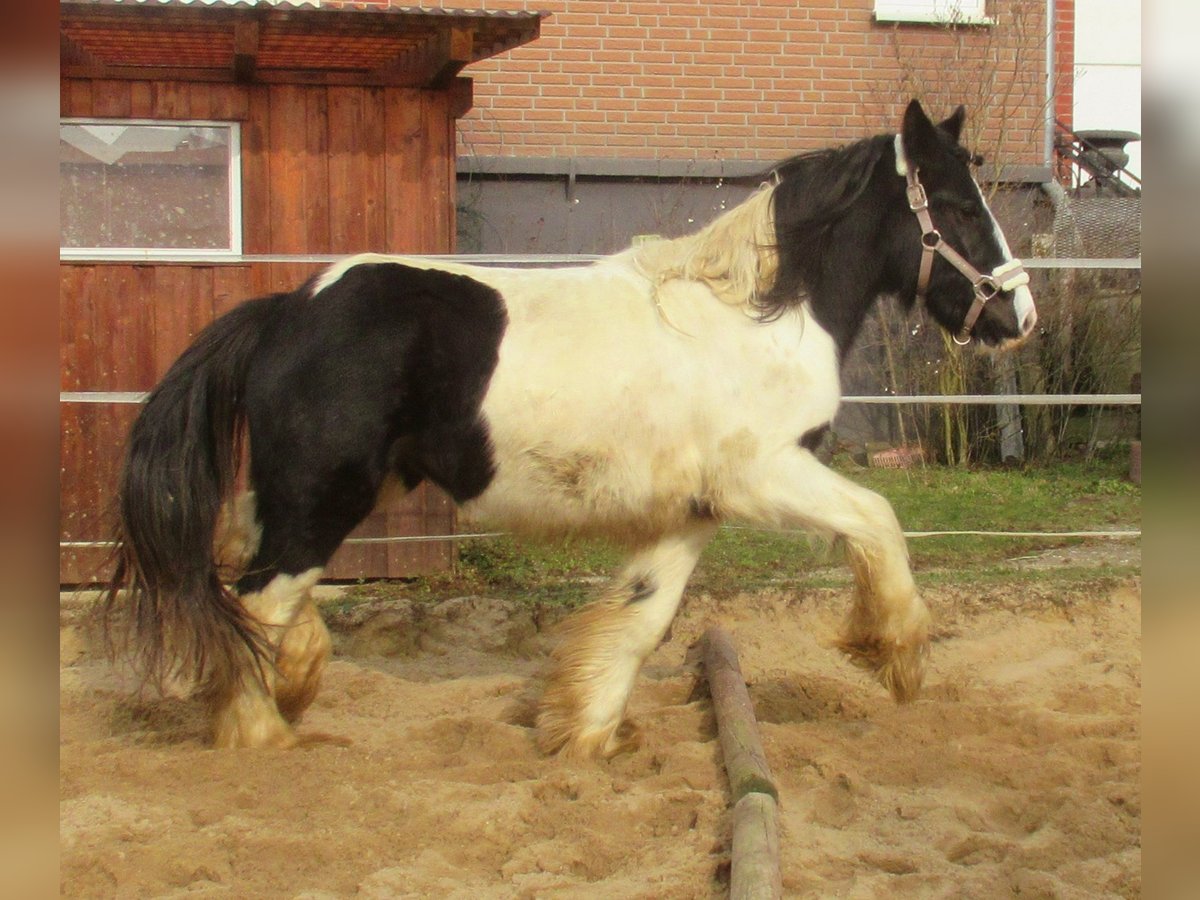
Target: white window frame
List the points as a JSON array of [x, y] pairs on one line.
[[934, 12], [235, 196]]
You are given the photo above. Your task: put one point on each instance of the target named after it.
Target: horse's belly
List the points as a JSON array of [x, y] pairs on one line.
[[552, 487]]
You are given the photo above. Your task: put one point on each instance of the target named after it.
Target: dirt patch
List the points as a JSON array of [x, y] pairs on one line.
[[1122, 553], [1017, 772]]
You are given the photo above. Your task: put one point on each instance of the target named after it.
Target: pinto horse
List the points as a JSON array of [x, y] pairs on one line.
[[646, 398]]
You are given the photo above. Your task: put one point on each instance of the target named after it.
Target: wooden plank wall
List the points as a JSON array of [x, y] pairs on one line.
[[324, 170]]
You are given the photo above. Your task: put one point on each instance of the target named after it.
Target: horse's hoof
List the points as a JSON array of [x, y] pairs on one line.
[[606, 743], [899, 666], [626, 739]]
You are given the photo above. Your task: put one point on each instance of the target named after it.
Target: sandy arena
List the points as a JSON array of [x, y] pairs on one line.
[[1017, 772]]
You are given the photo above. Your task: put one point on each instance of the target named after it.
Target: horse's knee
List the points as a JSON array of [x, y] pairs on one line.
[[304, 651]]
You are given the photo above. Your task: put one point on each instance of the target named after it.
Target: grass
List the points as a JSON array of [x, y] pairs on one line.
[[1073, 496]]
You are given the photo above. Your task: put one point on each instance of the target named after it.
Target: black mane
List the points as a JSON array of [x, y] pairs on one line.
[[815, 191]]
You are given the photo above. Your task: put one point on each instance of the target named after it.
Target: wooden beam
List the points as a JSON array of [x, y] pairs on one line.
[[70, 53], [245, 50], [745, 761], [754, 873], [435, 62], [754, 870], [462, 97], [458, 45], [226, 75]]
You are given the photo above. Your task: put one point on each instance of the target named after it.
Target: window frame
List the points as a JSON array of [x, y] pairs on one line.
[[234, 249], [898, 12]]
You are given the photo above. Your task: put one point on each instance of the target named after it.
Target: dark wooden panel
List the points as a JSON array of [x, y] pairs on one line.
[[124, 313], [286, 143], [170, 100], [290, 276], [141, 99], [356, 171], [182, 307], [80, 493], [373, 175], [111, 99], [436, 180], [340, 170], [405, 197], [75, 97], [256, 173], [232, 286], [436, 516], [315, 158], [76, 330], [93, 441], [227, 102], [425, 511]]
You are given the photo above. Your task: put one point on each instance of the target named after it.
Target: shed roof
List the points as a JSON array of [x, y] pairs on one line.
[[283, 42]]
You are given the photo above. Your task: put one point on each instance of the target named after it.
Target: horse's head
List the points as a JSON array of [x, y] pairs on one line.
[[950, 249]]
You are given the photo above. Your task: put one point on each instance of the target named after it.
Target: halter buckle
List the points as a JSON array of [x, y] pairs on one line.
[[986, 288], [917, 199]]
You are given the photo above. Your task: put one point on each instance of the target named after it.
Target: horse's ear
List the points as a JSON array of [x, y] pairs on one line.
[[953, 125], [919, 135]]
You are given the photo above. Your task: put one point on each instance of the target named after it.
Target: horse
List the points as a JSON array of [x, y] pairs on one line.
[[647, 397]]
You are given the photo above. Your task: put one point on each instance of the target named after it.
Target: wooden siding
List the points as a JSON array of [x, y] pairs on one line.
[[325, 170]]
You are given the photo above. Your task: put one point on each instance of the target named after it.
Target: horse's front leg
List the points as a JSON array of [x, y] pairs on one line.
[[602, 647], [888, 627]]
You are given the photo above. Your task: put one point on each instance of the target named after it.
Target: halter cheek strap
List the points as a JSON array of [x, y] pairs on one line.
[[1007, 276]]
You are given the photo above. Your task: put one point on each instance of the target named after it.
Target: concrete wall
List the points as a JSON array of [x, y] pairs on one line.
[[1108, 69]]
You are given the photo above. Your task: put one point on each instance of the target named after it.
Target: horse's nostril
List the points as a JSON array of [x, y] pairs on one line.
[[1029, 321]]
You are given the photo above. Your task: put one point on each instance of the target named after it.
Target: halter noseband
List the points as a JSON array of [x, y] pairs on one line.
[[1004, 277]]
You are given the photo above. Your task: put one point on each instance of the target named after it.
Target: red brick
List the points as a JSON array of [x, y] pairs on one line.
[[820, 68]]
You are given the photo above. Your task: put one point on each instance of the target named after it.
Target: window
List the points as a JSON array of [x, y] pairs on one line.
[[145, 188], [946, 12]]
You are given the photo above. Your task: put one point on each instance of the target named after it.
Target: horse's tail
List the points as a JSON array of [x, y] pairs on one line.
[[166, 607]]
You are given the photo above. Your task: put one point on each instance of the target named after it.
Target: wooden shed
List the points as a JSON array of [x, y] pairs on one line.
[[212, 153]]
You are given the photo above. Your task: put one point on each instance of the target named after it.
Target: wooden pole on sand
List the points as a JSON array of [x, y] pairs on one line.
[[754, 873]]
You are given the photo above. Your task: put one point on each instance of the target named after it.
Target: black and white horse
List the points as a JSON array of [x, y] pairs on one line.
[[646, 398]]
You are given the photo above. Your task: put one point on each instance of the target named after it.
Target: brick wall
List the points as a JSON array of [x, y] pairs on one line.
[[681, 79], [1064, 60]]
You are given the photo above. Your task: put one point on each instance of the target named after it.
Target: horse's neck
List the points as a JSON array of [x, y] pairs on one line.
[[838, 269]]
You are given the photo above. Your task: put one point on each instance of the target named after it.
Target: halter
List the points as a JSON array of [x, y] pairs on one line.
[[1005, 277]]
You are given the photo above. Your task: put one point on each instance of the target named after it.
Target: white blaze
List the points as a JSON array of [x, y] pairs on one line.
[[1023, 306]]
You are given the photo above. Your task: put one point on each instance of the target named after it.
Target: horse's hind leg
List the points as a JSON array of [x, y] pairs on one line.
[[304, 650], [304, 645], [603, 645], [245, 711], [298, 538], [888, 627]]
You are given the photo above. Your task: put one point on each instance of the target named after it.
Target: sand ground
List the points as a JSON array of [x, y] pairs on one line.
[[1017, 772]]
